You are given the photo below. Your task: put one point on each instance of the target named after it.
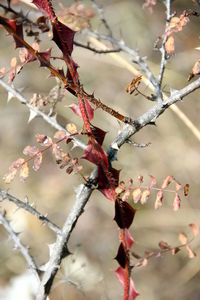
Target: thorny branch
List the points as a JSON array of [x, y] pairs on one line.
[[49, 119], [18, 244], [85, 191], [28, 207]]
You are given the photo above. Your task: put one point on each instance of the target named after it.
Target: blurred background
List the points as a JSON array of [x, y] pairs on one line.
[[174, 150]]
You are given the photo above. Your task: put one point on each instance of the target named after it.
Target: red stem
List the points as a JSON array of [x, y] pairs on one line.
[[126, 268]]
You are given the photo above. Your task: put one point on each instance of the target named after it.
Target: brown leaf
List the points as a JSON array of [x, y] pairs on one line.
[[13, 62], [24, 171], [195, 229], [175, 250], [159, 199], [164, 246], [186, 190], [13, 170]]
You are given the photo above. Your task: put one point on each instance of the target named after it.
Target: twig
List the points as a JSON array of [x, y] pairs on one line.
[[18, 244], [26, 206], [101, 16], [50, 120], [162, 49], [97, 51]]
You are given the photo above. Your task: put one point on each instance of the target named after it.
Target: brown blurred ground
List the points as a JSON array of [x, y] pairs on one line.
[[174, 150]]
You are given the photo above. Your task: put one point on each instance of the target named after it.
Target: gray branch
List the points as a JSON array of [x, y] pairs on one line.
[[26, 206], [18, 244], [50, 120]]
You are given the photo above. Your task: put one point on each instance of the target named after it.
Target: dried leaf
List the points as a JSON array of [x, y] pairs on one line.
[[175, 250], [2, 72], [169, 45], [145, 196], [167, 182], [124, 214], [195, 229], [176, 202], [71, 128], [159, 199], [183, 238], [136, 194], [30, 150], [164, 246], [10, 176], [121, 256], [24, 171], [13, 62], [37, 162], [191, 254], [186, 190], [59, 135], [152, 181]]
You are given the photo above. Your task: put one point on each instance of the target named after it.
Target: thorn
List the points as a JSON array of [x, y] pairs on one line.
[[10, 96], [32, 115]]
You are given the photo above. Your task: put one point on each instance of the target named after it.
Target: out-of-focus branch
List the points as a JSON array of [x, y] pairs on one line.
[[18, 244], [50, 120], [26, 206]]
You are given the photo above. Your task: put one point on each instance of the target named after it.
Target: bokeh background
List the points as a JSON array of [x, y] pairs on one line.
[[174, 150]]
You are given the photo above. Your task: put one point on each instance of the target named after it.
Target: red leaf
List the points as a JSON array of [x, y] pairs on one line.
[[75, 108], [129, 239], [124, 214], [98, 134], [17, 27], [63, 36], [176, 202], [44, 58], [159, 199], [133, 293], [46, 7], [121, 256], [95, 154], [108, 181]]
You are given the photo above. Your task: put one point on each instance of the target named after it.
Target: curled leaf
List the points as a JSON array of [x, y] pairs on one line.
[[13, 170], [183, 238], [61, 134], [164, 246], [71, 128], [152, 181], [186, 190], [30, 150], [167, 182]]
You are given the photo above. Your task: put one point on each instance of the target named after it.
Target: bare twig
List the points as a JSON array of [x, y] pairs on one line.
[[97, 51], [18, 244], [50, 120], [26, 206], [101, 16], [162, 49]]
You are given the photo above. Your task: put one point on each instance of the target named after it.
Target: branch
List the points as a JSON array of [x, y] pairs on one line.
[[85, 191], [26, 206], [97, 51], [18, 244], [50, 120], [162, 49]]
